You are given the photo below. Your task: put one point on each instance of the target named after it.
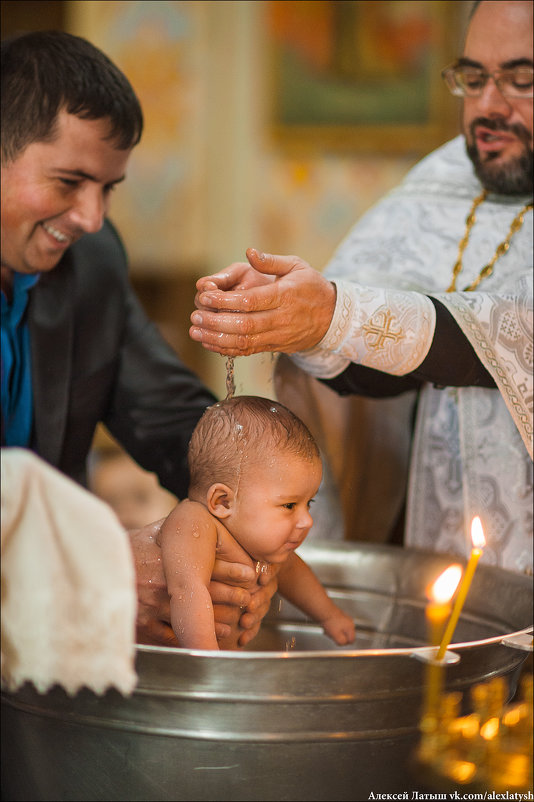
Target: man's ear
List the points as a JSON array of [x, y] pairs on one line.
[[219, 500]]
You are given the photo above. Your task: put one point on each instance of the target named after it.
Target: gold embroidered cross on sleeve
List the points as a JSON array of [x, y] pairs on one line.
[[380, 328]]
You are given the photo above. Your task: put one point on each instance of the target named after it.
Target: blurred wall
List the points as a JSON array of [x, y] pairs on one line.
[[212, 176]]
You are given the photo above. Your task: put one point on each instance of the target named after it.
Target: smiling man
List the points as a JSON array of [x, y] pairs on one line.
[[77, 347], [429, 296], [56, 191]]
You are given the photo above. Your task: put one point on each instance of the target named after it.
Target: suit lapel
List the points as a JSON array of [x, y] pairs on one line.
[[51, 329]]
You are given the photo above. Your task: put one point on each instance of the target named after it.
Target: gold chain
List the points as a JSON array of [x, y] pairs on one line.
[[487, 270]]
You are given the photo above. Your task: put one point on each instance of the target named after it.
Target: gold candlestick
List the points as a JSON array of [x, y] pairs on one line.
[[437, 612], [479, 541]]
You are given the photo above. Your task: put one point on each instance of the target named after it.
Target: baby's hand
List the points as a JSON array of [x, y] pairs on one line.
[[340, 627]]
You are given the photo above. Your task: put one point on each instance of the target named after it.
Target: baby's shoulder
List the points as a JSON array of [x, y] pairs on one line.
[[190, 514]]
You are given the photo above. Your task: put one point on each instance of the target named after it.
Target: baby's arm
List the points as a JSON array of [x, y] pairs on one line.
[[188, 543], [298, 584]]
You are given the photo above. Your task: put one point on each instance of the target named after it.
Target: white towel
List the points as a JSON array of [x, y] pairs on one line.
[[68, 583]]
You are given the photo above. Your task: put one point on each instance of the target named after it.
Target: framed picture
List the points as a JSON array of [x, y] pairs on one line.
[[363, 74]]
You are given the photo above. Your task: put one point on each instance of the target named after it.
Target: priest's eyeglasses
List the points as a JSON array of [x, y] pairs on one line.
[[466, 81]]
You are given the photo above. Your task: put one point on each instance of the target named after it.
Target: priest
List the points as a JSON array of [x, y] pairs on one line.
[[427, 303]]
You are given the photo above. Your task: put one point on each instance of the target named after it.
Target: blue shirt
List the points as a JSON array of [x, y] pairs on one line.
[[17, 395]]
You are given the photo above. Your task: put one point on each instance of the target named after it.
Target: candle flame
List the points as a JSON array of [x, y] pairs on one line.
[[477, 534], [445, 585], [462, 770], [490, 728]]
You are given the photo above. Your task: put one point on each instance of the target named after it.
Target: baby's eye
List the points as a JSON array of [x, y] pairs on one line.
[[290, 505], [310, 502]]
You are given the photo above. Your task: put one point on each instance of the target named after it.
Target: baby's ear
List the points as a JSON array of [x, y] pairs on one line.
[[219, 500]]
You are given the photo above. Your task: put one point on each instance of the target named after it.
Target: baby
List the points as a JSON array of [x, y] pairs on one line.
[[255, 469]]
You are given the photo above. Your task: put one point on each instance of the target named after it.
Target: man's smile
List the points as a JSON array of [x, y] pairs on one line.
[[58, 236]]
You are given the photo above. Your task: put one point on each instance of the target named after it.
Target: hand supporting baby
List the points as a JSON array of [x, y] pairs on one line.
[[241, 597]]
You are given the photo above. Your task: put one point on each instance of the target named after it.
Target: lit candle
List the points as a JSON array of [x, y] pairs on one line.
[[479, 541], [437, 611]]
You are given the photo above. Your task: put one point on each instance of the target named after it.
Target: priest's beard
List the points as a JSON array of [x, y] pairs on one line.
[[512, 178]]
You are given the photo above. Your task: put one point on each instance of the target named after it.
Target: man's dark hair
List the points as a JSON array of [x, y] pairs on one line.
[[45, 72]]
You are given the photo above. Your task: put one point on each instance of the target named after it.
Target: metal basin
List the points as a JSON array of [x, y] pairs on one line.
[[293, 717]]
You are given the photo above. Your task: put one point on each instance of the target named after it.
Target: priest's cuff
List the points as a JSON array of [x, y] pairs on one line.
[[384, 329]]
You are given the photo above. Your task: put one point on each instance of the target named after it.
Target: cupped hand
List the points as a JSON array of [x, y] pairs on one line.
[[237, 276], [278, 303]]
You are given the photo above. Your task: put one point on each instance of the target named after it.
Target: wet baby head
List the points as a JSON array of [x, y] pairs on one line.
[[236, 436]]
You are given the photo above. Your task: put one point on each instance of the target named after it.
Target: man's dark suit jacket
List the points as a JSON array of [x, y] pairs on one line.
[[97, 357]]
